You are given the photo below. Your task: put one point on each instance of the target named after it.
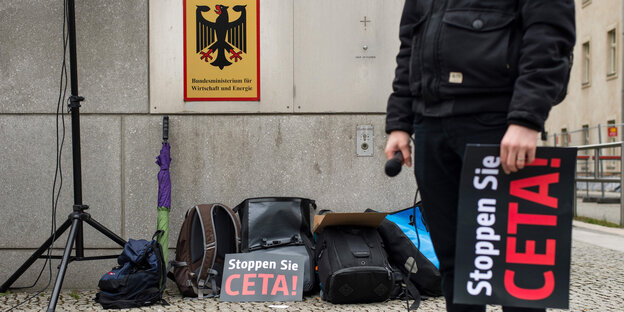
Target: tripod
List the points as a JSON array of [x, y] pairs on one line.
[[75, 220]]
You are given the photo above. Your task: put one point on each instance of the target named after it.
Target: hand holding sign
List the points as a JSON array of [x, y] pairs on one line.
[[515, 229]]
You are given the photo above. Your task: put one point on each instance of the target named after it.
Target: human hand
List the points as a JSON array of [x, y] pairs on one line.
[[517, 148], [399, 141]]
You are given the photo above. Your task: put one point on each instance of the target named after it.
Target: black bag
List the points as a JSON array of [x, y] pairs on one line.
[[208, 233], [138, 281], [352, 265], [403, 254], [279, 225]]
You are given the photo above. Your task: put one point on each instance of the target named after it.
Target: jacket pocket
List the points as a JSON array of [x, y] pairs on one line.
[[415, 74], [474, 51]]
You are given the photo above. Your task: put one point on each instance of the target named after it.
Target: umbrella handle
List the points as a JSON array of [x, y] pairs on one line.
[[165, 128]]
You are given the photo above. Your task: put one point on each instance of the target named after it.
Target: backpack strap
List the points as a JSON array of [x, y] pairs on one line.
[[213, 289], [177, 264], [410, 287], [412, 292], [205, 271], [202, 274], [157, 234], [206, 276], [237, 225]]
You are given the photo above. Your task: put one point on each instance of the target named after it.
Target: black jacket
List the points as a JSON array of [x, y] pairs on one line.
[[473, 56]]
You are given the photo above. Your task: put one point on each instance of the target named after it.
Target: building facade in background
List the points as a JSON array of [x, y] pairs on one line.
[[592, 110]]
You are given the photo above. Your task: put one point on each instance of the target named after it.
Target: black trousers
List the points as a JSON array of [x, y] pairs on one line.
[[439, 145]]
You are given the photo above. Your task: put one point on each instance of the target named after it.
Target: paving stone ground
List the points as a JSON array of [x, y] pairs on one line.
[[597, 285]]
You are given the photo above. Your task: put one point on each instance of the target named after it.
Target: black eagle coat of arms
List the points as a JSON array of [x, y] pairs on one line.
[[221, 36]]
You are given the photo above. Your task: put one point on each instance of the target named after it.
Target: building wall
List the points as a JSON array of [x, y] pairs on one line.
[[601, 100], [216, 157]]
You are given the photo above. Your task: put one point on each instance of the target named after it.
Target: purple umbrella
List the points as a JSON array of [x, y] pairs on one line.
[[164, 190]]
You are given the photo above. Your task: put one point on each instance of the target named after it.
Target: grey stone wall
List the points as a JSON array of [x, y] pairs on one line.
[[216, 158]]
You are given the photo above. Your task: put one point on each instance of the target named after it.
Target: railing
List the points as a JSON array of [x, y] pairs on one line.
[[598, 175], [602, 133]]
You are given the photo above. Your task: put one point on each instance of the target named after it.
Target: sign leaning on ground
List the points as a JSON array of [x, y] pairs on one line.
[[514, 231], [262, 277], [221, 50]]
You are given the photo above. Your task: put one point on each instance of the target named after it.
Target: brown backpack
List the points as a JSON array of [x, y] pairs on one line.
[[208, 233]]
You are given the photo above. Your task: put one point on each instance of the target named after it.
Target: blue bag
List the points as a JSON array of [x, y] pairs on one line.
[[411, 222], [408, 244], [139, 280]]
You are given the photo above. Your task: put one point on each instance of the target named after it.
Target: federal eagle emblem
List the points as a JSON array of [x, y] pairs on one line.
[[221, 36]]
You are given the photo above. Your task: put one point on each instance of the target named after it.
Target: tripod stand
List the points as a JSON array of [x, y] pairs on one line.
[[75, 220]]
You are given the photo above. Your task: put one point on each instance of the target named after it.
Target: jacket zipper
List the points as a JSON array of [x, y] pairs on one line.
[[437, 75], [430, 89], [424, 43]]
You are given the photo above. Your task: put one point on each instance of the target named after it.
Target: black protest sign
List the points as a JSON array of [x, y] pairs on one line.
[[262, 277], [514, 231]]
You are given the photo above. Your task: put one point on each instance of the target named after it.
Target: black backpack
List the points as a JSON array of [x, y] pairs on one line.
[[353, 265], [279, 225], [138, 281], [208, 233], [403, 254]]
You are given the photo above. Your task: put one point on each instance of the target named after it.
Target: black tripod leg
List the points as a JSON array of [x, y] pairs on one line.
[[36, 255], [64, 262], [96, 225]]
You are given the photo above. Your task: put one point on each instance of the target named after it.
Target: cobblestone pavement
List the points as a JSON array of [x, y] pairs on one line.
[[597, 284]]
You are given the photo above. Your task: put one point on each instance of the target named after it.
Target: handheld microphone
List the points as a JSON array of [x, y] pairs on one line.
[[394, 164]]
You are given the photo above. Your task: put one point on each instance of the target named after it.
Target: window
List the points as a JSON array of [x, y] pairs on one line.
[[612, 136], [585, 134], [586, 64], [611, 53], [565, 137], [611, 131]]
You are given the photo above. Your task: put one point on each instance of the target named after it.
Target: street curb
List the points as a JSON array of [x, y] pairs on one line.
[[598, 228]]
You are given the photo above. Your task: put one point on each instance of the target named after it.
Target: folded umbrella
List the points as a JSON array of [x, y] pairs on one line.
[[163, 160]]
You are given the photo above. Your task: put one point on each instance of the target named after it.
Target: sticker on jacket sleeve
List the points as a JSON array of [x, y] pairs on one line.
[[456, 77]]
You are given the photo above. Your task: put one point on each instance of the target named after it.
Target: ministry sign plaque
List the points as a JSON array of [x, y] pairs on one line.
[[221, 50]]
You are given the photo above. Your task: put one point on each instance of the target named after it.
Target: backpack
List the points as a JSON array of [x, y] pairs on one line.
[[353, 265], [279, 225], [208, 233], [407, 242], [411, 222], [139, 280], [416, 268]]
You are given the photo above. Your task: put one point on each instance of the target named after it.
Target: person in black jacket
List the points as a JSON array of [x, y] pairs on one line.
[[473, 71]]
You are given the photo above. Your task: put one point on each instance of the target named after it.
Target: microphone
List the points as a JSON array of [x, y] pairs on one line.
[[394, 164]]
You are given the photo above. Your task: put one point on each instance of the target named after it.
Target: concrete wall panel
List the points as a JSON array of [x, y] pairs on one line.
[[229, 158], [28, 166], [216, 158], [345, 54], [111, 48], [79, 275], [112, 55], [30, 55]]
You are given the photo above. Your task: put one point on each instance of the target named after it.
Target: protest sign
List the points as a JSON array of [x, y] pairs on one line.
[[514, 231], [262, 277]]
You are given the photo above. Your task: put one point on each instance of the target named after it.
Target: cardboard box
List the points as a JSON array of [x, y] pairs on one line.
[[372, 219]]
